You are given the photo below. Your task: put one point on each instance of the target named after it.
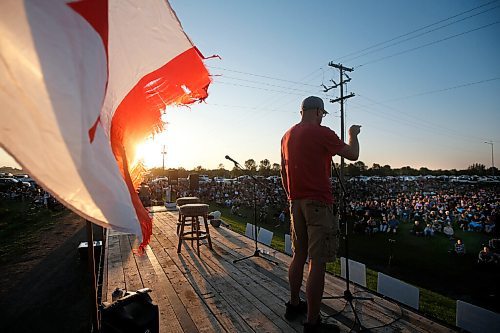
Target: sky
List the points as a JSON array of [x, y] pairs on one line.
[[426, 80]]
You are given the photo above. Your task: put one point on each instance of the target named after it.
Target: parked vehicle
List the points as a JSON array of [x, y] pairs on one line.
[[204, 179], [244, 177], [8, 183], [219, 180], [274, 179], [160, 179]]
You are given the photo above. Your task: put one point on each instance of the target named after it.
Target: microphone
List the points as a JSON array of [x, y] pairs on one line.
[[229, 158]]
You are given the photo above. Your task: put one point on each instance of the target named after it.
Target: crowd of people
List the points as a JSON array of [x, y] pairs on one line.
[[380, 206], [30, 192], [432, 206]]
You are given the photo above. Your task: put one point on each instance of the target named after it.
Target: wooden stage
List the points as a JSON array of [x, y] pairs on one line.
[[212, 294]]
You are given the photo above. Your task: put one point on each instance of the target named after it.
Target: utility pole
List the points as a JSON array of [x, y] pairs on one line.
[[164, 152], [342, 72], [348, 296], [492, 160]]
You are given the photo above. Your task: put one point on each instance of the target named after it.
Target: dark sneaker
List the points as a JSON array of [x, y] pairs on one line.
[[294, 311], [320, 326]]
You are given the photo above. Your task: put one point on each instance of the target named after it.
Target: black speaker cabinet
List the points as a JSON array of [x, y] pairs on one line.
[[194, 181], [133, 312]]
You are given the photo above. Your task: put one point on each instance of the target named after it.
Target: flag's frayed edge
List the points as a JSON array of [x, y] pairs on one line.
[[183, 80]]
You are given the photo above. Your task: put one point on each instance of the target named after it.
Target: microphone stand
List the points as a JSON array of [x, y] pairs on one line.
[[348, 296], [257, 252]]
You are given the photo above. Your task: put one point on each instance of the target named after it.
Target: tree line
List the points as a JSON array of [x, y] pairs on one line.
[[266, 168]]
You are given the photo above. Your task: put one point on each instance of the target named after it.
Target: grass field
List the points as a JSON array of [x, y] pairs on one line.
[[44, 284], [21, 224], [423, 262]]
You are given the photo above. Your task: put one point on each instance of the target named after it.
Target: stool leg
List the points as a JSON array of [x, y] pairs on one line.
[[181, 234], [198, 235], [205, 219], [193, 229], [179, 223]]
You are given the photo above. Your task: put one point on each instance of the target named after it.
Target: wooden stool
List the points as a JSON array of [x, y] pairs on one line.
[[184, 201], [194, 211]]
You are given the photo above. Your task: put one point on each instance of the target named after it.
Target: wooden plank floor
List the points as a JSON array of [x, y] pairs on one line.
[[210, 293]]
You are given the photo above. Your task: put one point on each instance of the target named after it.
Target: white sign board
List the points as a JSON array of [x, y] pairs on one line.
[[357, 271], [250, 231], [288, 245], [265, 236], [398, 290], [475, 319]]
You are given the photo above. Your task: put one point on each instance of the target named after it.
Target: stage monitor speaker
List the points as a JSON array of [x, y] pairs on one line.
[[83, 249], [194, 181], [173, 175], [133, 312]]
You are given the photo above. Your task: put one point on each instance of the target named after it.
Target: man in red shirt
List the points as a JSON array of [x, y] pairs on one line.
[[306, 152]]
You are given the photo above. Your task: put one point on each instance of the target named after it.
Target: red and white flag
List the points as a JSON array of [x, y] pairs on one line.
[[81, 84]]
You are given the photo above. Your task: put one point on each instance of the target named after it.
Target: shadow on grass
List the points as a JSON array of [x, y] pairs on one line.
[[53, 296]]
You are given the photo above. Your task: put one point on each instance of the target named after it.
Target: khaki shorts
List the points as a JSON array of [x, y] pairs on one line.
[[314, 229]]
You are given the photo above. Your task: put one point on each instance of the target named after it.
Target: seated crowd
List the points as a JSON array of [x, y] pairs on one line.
[[432, 206], [380, 206]]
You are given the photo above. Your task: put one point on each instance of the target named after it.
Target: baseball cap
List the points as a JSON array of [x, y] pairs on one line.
[[313, 102]]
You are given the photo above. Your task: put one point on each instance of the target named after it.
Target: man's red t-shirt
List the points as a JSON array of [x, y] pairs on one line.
[[306, 153]]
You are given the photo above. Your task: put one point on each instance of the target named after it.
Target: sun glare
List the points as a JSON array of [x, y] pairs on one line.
[[163, 148], [150, 151]]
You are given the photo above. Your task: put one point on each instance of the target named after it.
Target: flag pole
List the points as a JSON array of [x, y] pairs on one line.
[[93, 285]]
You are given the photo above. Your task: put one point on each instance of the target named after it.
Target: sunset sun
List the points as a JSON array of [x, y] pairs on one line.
[[163, 149]]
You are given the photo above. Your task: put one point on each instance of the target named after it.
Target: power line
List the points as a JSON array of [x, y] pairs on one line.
[[419, 35], [441, 90], [417, 30], [385, 131], [281, 93], [250, 108], [242, 118], [261, 109], [391, 117], [276, 98], [259, 88], [419, 122], [264, 108], [415, 122], [266, 84], [428, 44], [310, 77], [262, 76], [294, 83]]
